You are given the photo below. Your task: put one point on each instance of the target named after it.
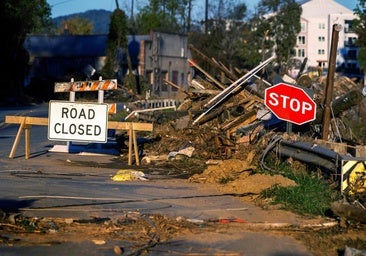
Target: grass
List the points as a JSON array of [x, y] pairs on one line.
[[312, 195], [225, 180], [119, 116]]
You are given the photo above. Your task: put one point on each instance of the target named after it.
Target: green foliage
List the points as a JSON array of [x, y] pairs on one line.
[[119, 116], [225, 180], [130, 82], [116, 43], [283, 25], [224, 40], [360, 29], [17, 19], [77, 26], [244, 44], [165, 16], [256, 42], [99, 18], [311, 196], [21, 17]]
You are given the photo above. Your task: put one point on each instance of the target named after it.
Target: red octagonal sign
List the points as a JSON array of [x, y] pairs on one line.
[[290, 103]]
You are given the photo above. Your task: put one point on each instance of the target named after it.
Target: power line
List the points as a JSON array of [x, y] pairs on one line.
[[62, 2]]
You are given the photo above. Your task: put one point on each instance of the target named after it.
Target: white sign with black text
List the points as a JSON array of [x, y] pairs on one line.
[[72, 121]]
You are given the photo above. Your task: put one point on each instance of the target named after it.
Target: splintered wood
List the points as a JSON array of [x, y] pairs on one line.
[[224, 101]]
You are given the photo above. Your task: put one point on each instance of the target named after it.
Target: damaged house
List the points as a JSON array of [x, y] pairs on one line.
[[155, 57]]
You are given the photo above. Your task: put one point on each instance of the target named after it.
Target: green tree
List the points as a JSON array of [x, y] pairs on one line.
[[360, 29], [223, 40], [256, 44], [164, 15], [76, 26], [17, 19], [116, 44], [281, 18]]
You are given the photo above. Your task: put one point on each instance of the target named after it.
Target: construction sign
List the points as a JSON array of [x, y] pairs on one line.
[[82, 86], [85, 86], [353, 176]]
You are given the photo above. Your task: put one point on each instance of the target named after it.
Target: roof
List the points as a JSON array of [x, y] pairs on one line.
[[69, 45], [322, 8]]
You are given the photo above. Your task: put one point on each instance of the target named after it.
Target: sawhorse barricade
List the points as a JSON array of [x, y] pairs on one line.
[[26, 123]]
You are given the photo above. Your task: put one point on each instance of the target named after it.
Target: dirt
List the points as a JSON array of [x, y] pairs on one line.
[[135, 234], [236, 175]]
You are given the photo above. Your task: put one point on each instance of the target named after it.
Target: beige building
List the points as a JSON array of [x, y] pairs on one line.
[[314, 40]]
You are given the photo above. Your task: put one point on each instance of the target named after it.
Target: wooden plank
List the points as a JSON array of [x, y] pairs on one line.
[[135, 147], [217, 83], [17, 139], [130, 142], [111, 124], [27, 140], [126, 126], [206, 91], [240, 120], [249, 120], [175, 86], [28, 120], [213, 62]]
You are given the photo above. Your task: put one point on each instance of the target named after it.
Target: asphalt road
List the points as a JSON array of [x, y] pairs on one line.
[[79, 186]]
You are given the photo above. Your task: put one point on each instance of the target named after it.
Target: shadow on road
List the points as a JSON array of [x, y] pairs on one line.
[[9, 205]]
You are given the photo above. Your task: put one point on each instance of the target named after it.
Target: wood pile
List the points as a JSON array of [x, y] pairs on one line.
[[224, 112]]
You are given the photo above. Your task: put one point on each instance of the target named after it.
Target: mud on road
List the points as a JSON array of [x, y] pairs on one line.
[[136, 233]]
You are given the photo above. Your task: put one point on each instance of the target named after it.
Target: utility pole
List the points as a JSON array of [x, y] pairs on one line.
[[132, 4], [206, 17], [330, 80], [189, 16]]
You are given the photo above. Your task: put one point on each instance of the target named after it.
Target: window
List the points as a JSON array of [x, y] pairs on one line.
[[321, 26], [300, 53], [321, 38], [321, 51], [164, 86], [352, 54], [348, 26], [149, 75], [351, 65], [303, 27], [175, 79], [301, 40], [351, 41], [182, 79]]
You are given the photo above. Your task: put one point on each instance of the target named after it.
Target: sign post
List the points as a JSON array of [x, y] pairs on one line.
[[81, 122], [290, 103]]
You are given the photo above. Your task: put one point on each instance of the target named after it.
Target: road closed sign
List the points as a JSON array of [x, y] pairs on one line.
[[80, 122]]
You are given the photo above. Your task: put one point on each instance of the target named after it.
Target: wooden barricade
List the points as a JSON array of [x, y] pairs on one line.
[[26, 123], [85, 86]]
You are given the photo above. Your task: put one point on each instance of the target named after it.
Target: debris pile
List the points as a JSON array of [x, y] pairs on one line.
[[224, 118], [219, 122]]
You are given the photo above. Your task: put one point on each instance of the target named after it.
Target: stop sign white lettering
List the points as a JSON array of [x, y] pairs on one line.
[[290, 103], [286, 102]]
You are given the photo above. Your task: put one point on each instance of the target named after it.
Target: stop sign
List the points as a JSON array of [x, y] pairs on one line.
[[290, 103]]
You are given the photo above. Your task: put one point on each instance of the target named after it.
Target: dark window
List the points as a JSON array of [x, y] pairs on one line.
[[164, 86]]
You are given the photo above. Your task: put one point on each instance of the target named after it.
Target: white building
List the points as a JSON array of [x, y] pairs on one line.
[[314, 40]]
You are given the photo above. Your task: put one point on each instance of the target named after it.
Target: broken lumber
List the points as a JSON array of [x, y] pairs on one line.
[[232, 88]]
